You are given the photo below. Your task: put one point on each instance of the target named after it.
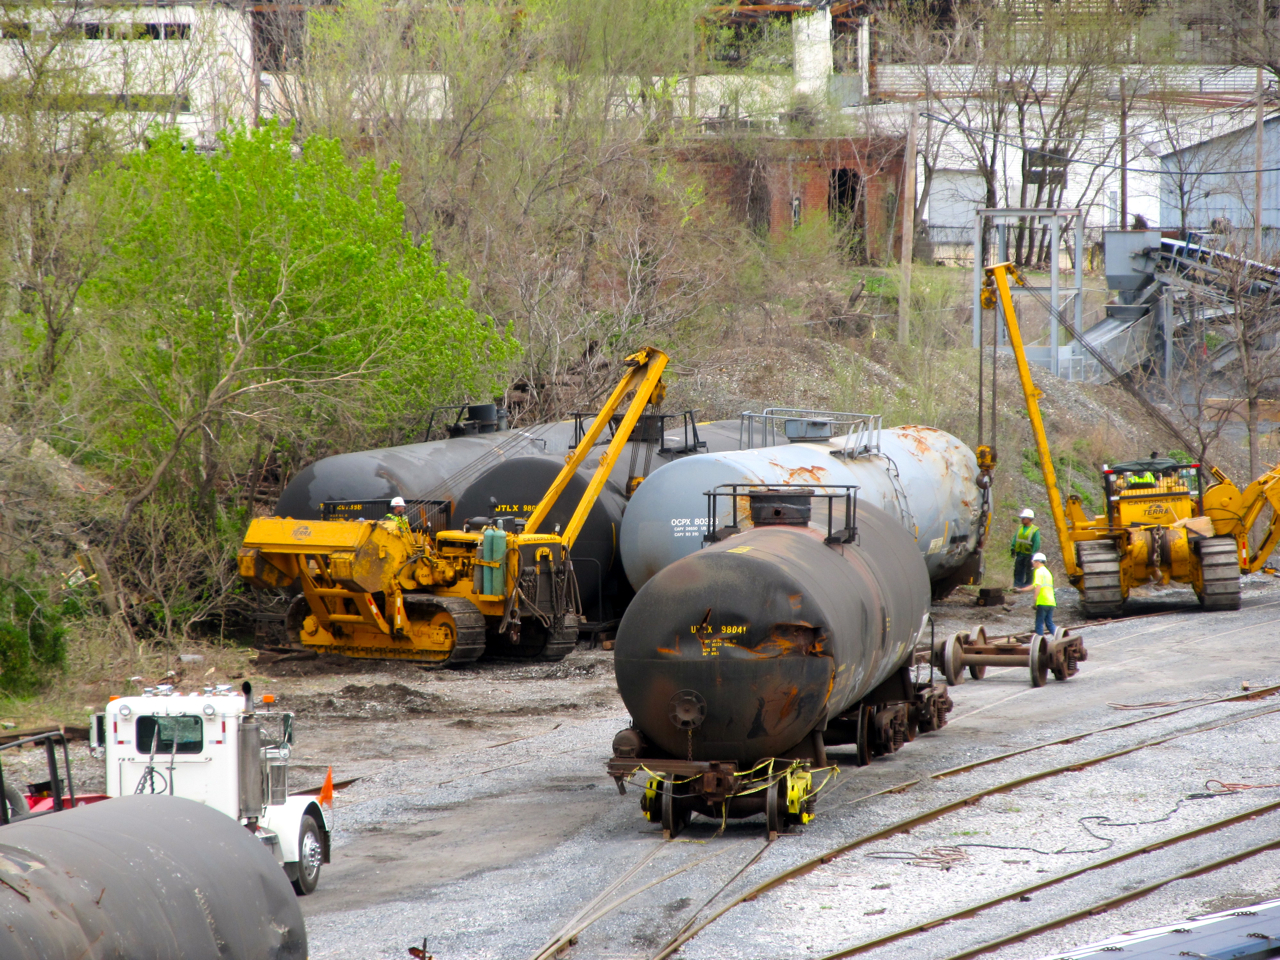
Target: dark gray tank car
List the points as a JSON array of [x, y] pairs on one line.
[[760, 651], [147, 878]]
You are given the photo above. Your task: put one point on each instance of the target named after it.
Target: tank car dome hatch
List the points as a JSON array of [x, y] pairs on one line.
[[925, 478]]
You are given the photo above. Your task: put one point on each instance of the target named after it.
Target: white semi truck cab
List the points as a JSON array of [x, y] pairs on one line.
[[215, 748]]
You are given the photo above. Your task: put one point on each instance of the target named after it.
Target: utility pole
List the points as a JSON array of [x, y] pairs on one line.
[[908, 219], [1124, 157], [1257, 146]]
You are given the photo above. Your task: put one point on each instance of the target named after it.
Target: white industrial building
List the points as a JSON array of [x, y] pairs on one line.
[[201, 65]]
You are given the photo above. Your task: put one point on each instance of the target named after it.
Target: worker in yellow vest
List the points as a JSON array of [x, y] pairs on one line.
[[1025, 545], [1042, 584], [396, 515]]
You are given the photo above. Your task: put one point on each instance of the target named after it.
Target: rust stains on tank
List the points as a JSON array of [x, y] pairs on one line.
[[922, 449], [811, 474], [794, 639]]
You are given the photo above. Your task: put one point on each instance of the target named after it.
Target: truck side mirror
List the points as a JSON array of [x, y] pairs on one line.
[[286, 728]]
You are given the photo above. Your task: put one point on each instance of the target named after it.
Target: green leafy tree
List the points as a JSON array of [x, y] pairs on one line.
[[32, 636], [264, 285]]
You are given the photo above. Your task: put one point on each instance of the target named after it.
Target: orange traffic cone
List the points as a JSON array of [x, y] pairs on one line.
[[326, 792]]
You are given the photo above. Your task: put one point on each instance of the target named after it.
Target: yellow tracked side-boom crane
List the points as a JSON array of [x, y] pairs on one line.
[[370, 588], [1162, 524]]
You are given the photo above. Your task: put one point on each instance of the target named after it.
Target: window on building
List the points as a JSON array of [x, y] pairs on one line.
[[795, 211]]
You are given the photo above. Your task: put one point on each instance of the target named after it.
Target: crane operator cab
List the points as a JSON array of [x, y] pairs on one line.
[[1157, 490]]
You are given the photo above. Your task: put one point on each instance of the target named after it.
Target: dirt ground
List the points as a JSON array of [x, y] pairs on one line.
[[483, 780], [486, 786]]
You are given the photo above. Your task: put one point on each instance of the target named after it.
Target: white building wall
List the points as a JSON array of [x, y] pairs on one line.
[[814, 58]]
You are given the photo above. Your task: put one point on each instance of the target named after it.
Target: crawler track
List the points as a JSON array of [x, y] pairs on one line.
[[1220, 566], [1100, 594], [468, 622]]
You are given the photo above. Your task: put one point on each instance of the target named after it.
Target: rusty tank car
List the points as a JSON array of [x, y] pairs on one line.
[[923, 477], [741, 663], [144, 876]]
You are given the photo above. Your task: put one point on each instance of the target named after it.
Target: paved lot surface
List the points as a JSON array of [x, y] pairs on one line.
[[483, 821]]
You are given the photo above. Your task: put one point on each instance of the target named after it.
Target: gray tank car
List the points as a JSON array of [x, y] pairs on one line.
[[144, 877], [924, 478]]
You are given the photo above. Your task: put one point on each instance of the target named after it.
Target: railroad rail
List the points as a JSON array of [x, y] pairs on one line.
[[1161, 844], [928, 816], [598, 908]]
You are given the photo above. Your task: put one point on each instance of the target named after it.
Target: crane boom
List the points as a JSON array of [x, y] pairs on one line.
[[1000, 275], [643, 376]]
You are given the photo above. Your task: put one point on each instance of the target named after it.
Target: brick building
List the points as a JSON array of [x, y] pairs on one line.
[[778, 184]]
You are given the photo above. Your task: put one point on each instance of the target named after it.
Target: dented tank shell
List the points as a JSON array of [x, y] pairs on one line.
[[148, 876], [775, 630], [935, 495]]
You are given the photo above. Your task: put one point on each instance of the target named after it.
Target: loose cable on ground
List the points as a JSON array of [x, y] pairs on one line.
[[723, 887], [975, 909], [903, 826], [1072, 738], [1156, 704], [1104, 905], [930, 857], [569, 934]]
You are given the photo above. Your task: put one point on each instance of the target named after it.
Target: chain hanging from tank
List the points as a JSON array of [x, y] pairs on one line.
[[690, 743]]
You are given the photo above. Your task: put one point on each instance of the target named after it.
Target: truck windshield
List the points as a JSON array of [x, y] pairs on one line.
[[187, 731]]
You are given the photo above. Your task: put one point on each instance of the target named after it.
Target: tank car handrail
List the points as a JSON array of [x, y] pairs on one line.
[[870, 423], [847, 534], [46, 737], [869, 429]]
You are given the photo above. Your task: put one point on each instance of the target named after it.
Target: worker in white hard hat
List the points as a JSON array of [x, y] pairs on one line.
[[1042, 584], [396, 515], [1026, 543]]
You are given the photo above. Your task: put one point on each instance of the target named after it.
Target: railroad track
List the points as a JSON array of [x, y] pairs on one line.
[[613, 897], [560, 944], [1092, 909], [928, 816]]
